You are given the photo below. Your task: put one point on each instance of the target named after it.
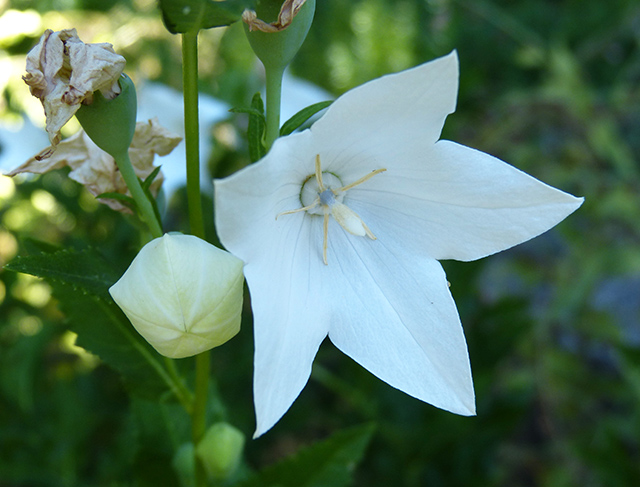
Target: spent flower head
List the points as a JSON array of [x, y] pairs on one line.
[[97, 170], [64, 72], [341, 228]]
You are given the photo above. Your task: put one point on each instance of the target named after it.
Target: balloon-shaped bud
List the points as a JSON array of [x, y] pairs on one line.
[[220, 450], [182, 294]]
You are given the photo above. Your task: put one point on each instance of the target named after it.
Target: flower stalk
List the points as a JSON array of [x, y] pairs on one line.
[[274, 95], [276, 44], [191, 129], [111, 125], [199, 411], [135, 188]]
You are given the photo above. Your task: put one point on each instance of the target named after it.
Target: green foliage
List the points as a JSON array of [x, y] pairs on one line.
[[302, 116], [87, 271], [328, 462], [81, 280], [256, 128], [552, 326]]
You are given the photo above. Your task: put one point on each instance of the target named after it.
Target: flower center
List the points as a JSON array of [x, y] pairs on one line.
[[318, 197], [311, 191]]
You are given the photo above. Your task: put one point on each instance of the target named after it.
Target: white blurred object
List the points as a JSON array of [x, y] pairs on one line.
[[158, 100], [19, 141]]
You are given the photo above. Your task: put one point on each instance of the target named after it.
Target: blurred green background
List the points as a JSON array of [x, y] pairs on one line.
[[552, 87]]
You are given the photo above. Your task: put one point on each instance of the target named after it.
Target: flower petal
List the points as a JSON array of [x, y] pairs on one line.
[[280, 255], [394, 110], [454, 202], [290, 318], [394, 315]]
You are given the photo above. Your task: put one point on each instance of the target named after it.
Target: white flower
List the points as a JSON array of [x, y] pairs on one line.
[[182, 294], [383, 301]]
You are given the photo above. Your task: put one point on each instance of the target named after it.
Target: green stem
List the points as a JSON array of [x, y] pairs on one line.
[[273, 76], [135, 188], [191, 130], [180, 390], [199, 412]]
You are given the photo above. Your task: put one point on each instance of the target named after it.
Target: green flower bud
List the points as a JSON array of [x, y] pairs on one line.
[[184, 465], [277, 42], [182, 294], [111, 123], [220, 450]]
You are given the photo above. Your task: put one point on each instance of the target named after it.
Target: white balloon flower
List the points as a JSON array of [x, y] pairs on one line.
[[341, 228], [182, 294]]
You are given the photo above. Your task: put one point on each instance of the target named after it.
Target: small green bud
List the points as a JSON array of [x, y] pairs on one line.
[[111, 123], [277, 43], [220, 450], [182, 294], [184, 465]]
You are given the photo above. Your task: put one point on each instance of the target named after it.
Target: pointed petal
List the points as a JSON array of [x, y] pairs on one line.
[[454, 202], [289, 321], [395, 317], [289, 317], [399, 109]]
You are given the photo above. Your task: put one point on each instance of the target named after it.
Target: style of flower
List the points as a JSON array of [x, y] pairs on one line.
[[97, 170], [64, 72], [373, 164]]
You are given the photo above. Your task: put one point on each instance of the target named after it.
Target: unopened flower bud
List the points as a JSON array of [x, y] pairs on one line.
[[182, 294], [184, 465], [220, 450]]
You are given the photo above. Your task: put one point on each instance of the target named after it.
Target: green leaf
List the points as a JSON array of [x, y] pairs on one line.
[[81, 282], [182, 16], [85, 270], [255, 131], [248, 110], [302, 116], [106, 332], [329, 462], [146, 184], [147, 193]]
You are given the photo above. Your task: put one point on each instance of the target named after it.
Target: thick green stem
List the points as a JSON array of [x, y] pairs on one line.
[[135, 188], [273, 76], [199, 412], [191, 130]]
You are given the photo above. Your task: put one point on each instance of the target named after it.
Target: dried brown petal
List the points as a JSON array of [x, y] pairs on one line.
[[63, 72], [97, 170], [288, 11]]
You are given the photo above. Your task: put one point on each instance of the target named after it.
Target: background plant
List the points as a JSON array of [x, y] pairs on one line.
[[553, 325]]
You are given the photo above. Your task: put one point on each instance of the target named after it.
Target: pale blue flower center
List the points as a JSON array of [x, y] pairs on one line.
[[310, 192], [327, 198]]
